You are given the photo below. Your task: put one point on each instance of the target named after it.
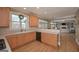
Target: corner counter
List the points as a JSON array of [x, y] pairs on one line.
[[48, 36]]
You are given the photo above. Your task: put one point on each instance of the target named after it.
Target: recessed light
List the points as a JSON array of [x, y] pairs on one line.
[[25, 8]]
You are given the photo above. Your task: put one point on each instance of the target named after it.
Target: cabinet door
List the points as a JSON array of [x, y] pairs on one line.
[[20, 39], [4, 17], [30, 37], [50, 39], [12, 41], [33, 21]]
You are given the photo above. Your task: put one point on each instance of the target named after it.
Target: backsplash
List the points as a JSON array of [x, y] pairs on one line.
[[4, 31]]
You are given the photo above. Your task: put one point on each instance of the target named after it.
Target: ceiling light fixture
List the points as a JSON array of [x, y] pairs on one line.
[[25, 8]]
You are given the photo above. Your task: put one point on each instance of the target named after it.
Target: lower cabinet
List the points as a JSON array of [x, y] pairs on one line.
[[23, 38], [50, 39], [12, 40], [18, 40]]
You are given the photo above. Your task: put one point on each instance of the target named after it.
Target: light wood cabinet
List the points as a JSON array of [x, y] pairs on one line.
[[18, 40], [25, 38], [33, 21], [4, 16], [12, 40], [50, 39]]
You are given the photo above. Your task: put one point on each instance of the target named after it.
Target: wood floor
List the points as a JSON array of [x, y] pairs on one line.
[[36, 46], [68, 44]]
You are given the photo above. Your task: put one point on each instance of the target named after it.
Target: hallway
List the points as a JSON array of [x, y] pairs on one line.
[[68, 43]]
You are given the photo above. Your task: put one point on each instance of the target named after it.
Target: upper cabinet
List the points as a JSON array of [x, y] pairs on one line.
[[4, 16], [33, 21]]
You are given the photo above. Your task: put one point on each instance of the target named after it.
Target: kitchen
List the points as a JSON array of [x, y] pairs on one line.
[[17, 25]]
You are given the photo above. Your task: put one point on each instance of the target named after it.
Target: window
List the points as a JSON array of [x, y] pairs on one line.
[[25, 24], [53, 25], [43, 24], [17, 25]]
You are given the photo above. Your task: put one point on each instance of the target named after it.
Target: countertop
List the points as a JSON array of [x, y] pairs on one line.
[[51, 31]]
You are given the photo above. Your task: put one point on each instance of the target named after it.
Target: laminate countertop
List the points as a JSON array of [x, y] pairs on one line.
[[51, 31]]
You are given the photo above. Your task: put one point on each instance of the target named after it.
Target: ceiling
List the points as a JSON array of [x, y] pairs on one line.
[[47, 12]]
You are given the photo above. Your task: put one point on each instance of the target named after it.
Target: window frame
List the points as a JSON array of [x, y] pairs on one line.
[[18, 13]]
